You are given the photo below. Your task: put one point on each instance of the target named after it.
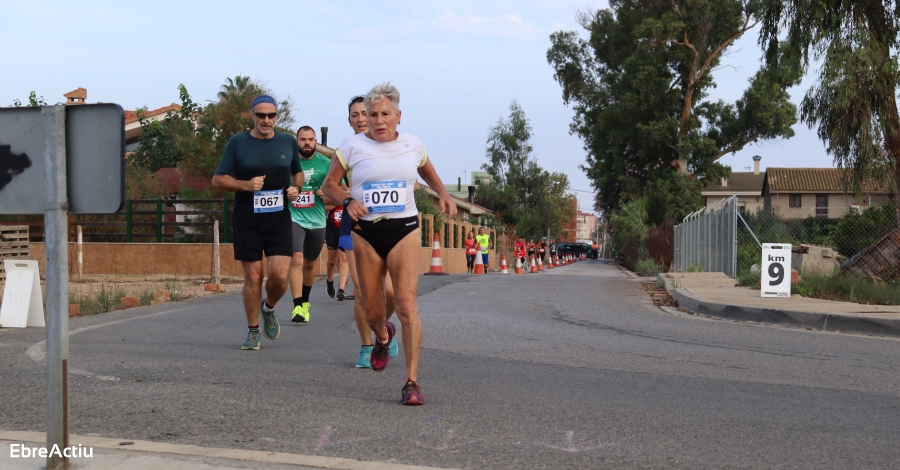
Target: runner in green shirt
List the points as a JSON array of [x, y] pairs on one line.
[[308, 223]]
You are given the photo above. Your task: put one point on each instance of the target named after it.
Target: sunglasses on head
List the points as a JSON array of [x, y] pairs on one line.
[[265, 115], [357, 98]]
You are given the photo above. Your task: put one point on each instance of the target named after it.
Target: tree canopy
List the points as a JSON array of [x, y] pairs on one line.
[[523, 194], [194, 138], [853, 102], [639, 85]]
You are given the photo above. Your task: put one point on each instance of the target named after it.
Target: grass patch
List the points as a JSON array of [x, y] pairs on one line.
[[848, 289], [749, 279], [176, 291], [107, 299], [648, 267]]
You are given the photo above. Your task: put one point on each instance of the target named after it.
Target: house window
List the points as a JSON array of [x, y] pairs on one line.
[[796, 200], [822, 204]]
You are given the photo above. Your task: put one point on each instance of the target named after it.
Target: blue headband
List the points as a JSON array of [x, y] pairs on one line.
[[263, 99]]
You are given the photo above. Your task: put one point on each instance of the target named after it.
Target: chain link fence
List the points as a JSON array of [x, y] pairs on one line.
[[706, 240], [725, 238]]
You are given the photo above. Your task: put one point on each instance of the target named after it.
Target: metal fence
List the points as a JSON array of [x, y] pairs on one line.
[[706, 240], [725, 238]]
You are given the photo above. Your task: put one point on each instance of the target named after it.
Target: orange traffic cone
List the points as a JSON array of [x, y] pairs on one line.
[[533, 266], [557, 261], [549, 262], [540, 264], [518, 266], [436, 266], [503, 268], [479, 264]]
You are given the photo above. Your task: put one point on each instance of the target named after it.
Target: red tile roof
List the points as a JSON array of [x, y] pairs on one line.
[[812, 180], [131, 116]]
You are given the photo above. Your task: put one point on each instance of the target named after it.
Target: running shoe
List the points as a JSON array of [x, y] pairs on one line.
[[300, 313], [380, 351], [394, 349], [271, 328], [412, 394], [252, 342], [330, 287], [365, 358], [340, 295]]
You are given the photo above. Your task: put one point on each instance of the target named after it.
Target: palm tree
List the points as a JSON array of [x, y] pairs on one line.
[[231, 87]]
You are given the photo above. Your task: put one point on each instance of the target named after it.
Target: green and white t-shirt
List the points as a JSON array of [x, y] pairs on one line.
[[308, 210]]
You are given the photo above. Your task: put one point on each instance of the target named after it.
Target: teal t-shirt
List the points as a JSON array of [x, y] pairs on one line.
[[308, 209]]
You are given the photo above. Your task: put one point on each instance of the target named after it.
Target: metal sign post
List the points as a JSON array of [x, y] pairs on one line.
[[56, 160], [57, 269]]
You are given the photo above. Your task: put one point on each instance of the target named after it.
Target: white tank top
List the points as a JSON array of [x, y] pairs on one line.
[[384, 173]]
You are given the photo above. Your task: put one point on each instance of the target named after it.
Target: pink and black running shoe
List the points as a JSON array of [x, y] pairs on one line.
[[381, 352], [412, 394]]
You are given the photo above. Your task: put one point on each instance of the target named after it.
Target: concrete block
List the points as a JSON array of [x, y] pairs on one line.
[[130, 302], [161, 295], [74, 310], [158, 301], [214, 287]]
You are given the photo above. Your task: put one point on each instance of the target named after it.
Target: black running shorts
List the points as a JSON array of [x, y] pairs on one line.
[[273, 239]]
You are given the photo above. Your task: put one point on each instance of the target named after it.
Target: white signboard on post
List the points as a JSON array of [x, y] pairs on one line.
[[23, 304], [775, 275]]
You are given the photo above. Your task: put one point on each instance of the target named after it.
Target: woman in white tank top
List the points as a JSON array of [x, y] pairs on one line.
[[384, 164]]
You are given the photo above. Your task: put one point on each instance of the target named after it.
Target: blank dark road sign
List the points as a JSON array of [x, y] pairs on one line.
[[95, 159]]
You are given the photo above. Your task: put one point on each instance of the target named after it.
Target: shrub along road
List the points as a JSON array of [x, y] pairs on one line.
[[572, 368]]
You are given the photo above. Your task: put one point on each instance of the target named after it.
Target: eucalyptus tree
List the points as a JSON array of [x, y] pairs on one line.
[[853, 103], [639, 84]]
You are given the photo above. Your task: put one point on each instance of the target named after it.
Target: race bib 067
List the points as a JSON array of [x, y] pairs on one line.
[[384, 196], [268, 201]]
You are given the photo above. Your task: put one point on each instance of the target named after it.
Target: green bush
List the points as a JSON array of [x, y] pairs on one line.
[[858, 231]]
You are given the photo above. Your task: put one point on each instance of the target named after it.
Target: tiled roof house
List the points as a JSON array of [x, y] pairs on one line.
[[804, 192]]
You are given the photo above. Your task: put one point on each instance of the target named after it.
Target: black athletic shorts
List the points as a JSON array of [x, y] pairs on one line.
[[250, 241], [332, 235], [384, 234]]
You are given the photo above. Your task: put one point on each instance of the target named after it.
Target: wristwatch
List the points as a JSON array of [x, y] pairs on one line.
[[347, 201]]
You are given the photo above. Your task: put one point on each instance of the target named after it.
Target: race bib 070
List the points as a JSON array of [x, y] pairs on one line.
[[305, 200], [384, 196], [268, 201]]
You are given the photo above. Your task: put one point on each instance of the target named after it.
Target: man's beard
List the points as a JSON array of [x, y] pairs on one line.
[[311, 152]]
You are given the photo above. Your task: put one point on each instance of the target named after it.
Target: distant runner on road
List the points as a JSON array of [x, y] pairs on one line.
[[267, 174], [308, 227]]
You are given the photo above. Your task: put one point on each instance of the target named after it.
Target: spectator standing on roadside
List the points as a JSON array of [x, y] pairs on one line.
[[266, 175], [471, 252]]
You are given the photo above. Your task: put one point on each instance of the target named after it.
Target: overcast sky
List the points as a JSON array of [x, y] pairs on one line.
[[458, 65]]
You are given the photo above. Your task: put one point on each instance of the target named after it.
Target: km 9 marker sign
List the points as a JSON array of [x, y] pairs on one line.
[[775, 275]]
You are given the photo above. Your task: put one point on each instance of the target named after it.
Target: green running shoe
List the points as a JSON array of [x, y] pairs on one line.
[[300, 313], [365, 358], [271, 328], [252, 342]]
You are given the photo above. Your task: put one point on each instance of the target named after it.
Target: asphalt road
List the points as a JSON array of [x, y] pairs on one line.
[[572, 368]]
